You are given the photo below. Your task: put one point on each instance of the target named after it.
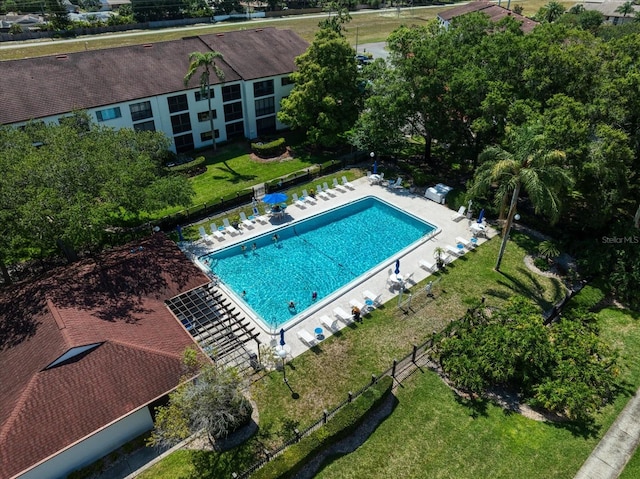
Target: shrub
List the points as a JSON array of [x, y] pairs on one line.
[[541, 263], [190, 168], [341, 425], [587, 299], [269, 150]]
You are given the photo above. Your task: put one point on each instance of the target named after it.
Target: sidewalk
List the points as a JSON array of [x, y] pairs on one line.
[[609, 458]]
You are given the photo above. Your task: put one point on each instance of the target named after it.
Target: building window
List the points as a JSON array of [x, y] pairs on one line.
[[265, 106], [180, 123], [178, 103], [231, 92], [266, 126], [263, 88], [204, 115], [183, 143], [235, 129], [108, 114], [233, 111], [286, 81], [206, 136], [140, 111], [145, 126], [201, 97]]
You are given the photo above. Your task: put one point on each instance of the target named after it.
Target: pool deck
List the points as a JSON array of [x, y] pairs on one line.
[[375, 280]]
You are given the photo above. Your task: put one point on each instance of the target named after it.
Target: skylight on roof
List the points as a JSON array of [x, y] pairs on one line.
[[72, 353]]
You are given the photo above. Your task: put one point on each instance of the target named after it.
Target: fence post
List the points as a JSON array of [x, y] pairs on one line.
[[325, 416], [297, 433], [350, 397], [374, 378], [393, 368], [413, 354]]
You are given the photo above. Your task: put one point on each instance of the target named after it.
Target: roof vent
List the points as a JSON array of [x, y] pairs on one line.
[[259, 30], [62, 57], [147, 45], [219, 34]]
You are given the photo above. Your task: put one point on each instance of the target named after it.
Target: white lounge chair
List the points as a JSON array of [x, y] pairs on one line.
[[343, 315], [204, 235], [396, 184], [306, 337], [258, 217], [347, 184], [465, 242], [297, 201], [376, 298], [245, 221], [215, 231], [330, 324], [338, 186], [458, 215], [446, 258], [321, 193], [364, 309], [426, 265], [453, 250], [326, 189], [308, 199], [228, 227]]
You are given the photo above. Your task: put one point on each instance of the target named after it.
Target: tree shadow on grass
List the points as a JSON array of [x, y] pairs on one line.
[[213, 465], [235, 176], [477, 406], [531, 289]]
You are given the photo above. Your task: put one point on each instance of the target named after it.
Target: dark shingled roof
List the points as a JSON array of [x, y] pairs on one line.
[[116, 301], [47, 86], [494, 12]]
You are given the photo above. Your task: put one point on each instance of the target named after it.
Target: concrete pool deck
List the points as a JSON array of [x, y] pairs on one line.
[[374, 280]]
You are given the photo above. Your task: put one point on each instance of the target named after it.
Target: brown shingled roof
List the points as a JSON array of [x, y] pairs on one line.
[[48, 86], [116, 301]]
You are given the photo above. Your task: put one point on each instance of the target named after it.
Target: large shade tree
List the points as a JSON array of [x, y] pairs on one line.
[[205, 63], [325, 100], [525, 163]]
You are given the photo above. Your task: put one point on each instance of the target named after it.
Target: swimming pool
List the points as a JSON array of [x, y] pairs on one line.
[[320, 254]]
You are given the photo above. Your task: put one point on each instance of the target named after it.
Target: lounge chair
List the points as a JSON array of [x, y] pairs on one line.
[[364, 309], [446, 258], [297, 201], [426, 265], [307, 198], [326, 189], [376, 298], [465, 242], [453, 250], [342, 315], [458, 215], [258, 217], [396, 184], [338, 186], [330, 324], [321, 193], [306, 337], [215, 231], [245, 221], [346, 183], [204, 235], [228, 227]]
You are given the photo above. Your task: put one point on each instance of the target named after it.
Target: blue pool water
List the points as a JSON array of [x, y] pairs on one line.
[[320, 254]]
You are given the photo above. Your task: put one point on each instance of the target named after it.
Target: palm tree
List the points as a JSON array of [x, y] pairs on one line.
[[626, 8], [527, 164], [207, 63], [552, 11]]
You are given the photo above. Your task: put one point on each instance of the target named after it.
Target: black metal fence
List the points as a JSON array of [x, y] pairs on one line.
[[399, 370]]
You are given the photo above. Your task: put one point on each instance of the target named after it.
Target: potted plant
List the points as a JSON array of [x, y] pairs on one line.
[[438, 253]]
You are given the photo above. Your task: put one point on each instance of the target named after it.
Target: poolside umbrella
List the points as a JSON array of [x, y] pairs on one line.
[[481, 216], [274, 198], [375, 167], [397, 266], [282, 337]]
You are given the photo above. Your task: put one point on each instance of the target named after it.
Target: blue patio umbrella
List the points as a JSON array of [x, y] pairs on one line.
[[282, 337], [481, 216], [397, 266], [375, 167], [274, 198]]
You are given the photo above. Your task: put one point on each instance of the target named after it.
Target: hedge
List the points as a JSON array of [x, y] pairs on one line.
[[343, 423], [269, 150], [188, 168]]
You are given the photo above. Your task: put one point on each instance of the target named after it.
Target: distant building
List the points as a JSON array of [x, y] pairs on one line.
[[608, 9], [493, 11], [27, 22], [141, 86]]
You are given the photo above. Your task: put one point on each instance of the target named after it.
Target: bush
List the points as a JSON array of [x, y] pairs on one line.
[[269, 150], [341, 425], [190, 168], [587, 299], [541, 263]]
